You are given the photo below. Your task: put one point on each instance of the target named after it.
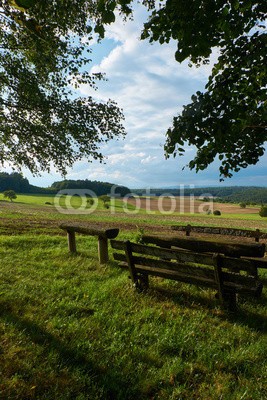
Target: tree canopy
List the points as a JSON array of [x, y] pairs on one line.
[[229, 119], [10, 194], [42, 59], [44, 56]]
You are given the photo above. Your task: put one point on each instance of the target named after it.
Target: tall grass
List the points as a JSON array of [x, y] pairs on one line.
[[72, 329]]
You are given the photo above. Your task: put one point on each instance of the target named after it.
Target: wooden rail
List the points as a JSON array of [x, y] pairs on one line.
[[256, 234], [102, 234]]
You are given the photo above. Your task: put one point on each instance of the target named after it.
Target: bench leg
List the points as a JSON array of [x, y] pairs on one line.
[[253, 271], [71, 241], [142, 283], [229, 301], [102, 250]]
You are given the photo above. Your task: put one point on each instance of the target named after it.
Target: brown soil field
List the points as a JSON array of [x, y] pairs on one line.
[[188, 205], [18, 218]]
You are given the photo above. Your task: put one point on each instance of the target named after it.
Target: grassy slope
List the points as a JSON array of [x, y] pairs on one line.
[[71, 329]]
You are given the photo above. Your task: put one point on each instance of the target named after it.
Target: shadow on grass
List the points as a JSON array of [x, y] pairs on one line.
[[242, 316], [109, 380]]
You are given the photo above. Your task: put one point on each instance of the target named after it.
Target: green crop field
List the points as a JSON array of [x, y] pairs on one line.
[[72, 329]]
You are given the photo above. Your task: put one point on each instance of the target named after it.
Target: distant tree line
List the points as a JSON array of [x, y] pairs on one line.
[[15, 181], [99, 188], [231, 194]]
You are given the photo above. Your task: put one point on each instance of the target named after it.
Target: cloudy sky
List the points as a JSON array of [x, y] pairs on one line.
[[151, 88]]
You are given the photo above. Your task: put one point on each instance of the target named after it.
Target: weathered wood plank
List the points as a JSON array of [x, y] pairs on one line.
[[202, 272], [257, 262], [190, 270], [254, 290], [103, 250], [218, 276], [200, 245], [88, 230], [231, 280], [130, 262], [205, 270], [229, 263], [71, 241], [102, 234], [119, 257], [256, 234]]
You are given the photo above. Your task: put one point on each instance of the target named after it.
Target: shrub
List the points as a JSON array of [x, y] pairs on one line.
[[139, 235], [105, 198], [242, 205], [263, 211], [216, 212], [48, 203], [10, 194]]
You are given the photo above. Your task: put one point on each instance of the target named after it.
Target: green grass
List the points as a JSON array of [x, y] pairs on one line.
[[31, 198], [72, 329]]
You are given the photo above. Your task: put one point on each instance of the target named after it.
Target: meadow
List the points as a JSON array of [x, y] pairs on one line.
[[72, 329]]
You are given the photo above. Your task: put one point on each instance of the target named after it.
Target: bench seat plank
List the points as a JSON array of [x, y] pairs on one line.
[[87, 230], [102, 234]]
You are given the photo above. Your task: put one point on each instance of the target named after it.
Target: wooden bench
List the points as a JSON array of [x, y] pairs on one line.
[[231, 249], [256, 234], [214, 271], [102, 234]]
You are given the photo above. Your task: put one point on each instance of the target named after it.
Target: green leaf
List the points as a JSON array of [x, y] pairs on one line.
[[108, 17], [100, 30]]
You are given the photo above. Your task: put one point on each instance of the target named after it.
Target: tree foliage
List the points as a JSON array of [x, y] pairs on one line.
[[44, 58], [263, 211], [98, 188], [228, 120], [14, 181], [10, 194]]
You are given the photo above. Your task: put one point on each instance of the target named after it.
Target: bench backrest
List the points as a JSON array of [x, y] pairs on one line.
[[233, 249], [210, 270]]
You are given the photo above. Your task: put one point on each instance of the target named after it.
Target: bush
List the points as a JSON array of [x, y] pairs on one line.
[[48, 203], [9, 194], [263, 211], [216, 212], [242, 205], [105, 198]]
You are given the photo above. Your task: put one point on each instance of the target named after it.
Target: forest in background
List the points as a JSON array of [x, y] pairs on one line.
[[15, 181], [232, 194]]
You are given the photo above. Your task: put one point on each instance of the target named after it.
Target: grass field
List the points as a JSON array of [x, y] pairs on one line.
[[72, 329]]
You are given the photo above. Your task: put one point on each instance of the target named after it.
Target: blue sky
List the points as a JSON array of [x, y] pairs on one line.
[[151, 88]]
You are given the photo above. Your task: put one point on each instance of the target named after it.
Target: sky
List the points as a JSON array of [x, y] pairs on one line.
[[151, 88]]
